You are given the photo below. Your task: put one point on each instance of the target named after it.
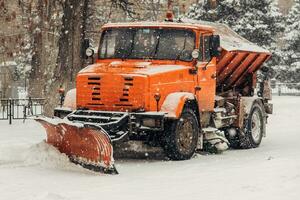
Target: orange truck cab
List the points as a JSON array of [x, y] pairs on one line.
[[181, 85]]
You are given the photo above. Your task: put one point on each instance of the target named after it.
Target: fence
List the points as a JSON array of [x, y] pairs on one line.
[[16, 109], [286, 89]]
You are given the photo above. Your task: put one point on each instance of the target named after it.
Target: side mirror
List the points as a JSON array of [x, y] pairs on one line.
[[265, 69], [89, 52], [215, 47]]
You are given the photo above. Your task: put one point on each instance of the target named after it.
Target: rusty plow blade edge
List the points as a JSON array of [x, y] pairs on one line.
[[85, 144]]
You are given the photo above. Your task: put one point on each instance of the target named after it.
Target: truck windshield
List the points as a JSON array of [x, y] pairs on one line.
[[147, 43]]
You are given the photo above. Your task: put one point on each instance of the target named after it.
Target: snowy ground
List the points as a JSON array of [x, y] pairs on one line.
[[31, 170]]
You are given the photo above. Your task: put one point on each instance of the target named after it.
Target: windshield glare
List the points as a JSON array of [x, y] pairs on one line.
[[146, 43]]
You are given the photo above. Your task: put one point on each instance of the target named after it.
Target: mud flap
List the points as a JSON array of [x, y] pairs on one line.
[[85, 144]]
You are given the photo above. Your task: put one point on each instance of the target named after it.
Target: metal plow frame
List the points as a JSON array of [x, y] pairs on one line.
[[85, 144]]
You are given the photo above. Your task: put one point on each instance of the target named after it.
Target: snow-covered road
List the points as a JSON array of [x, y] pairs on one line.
[[30, 169]]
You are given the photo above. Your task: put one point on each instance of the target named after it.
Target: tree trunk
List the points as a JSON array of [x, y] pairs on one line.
[[36, 74], [70, 59]]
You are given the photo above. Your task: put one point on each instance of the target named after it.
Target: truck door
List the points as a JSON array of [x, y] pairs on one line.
[[206, 78]]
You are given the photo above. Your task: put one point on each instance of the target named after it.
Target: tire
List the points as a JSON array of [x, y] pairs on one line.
[[181, 136], [234, 142], [253, 129]]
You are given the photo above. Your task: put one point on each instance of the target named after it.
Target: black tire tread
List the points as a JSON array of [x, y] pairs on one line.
[[169, 144], [245, 140]]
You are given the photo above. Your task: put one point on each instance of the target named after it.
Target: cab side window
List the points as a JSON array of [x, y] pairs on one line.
[[206, 41], [200, 58]]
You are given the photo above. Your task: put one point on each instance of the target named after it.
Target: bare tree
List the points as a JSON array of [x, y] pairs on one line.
[[40, 19], [70, 59], [126, 6]]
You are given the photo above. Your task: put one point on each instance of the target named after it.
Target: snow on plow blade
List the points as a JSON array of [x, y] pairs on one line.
[[86, 144]]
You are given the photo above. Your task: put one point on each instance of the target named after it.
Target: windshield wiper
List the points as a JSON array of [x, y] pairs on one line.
[[181, 51], [154, 51], [131, 46]]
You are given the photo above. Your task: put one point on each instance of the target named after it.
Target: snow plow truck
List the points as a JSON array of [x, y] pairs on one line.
[[183, 86]]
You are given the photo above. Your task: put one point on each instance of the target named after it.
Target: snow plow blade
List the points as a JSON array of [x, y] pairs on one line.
[[85, 144]]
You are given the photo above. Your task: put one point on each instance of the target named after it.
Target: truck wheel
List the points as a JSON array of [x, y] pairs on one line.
[[181, 136], [254, 128]]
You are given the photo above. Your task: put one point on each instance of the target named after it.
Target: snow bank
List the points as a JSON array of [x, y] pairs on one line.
[[45, 155], [50, 196], [31, 170], [41, 155]]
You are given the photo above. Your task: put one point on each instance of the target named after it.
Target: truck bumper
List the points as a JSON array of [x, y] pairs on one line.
[[118, 124]]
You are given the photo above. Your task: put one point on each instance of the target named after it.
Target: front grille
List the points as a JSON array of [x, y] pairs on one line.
[[128, 83], [95, 104], [123, 105], [94, 78], [128, 78], [95, 81], [111, 92]]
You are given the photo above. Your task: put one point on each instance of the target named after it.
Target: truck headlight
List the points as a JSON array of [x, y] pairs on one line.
[[148, 122], [151, 122]]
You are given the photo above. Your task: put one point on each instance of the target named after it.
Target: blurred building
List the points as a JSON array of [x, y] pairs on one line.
[[11, 43], [7, 88], [11, 31]]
